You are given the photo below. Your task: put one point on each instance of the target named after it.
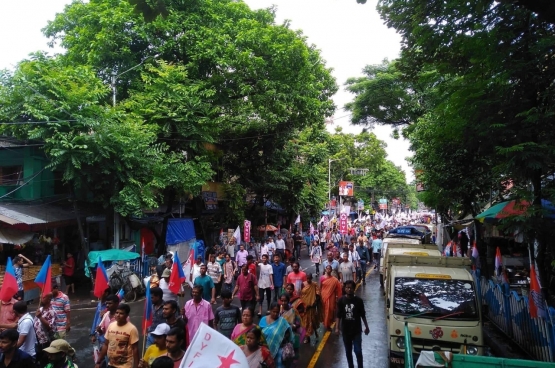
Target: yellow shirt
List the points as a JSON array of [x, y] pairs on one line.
[[152, 353]]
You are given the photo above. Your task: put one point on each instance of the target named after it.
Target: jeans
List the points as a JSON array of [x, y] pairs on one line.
[[377, 258], [317, 265], [281, 253], [268, 293], [277, 292], [297, 252], [228, 287], [351, 342], [363, 268], [248, 304]]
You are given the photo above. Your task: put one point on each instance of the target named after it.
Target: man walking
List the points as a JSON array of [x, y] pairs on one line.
[[197, 311], [336, 238], [289, 247], [208, 287], [122, 342], [332, 263], [265, 283], [280, 247], [347, 270], [278, 276], [175, 340], [377, 249], [298, 240], [27, 337], [241, 257], [364, 259], [350, 311], [247, 286], [297, 277], [60, 304], [157, 300]]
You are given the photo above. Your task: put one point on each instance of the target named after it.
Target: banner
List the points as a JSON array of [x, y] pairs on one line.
[[237, 235], [187, 266], [326, 221], [383, 206], [346, 188], [343, 223], [311, 228], [209, 348], [360, 205], [247, 231]]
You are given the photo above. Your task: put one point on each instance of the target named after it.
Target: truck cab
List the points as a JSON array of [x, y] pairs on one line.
[[409, 250], [435, 297]]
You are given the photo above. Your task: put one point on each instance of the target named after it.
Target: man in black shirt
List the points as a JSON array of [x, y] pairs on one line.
[[350, 311], [298, 239], [11, 356]]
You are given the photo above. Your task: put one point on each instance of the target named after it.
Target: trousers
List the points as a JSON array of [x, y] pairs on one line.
[[351, 342]]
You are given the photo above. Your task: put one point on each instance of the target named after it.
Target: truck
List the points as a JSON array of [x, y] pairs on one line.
[[399, 241], [436, 299], [409, 250]]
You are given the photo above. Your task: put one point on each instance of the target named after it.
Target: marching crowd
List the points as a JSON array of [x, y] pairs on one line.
[[263, 275]]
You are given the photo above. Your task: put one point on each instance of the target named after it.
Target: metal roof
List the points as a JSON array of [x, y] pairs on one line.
[[14, 214]]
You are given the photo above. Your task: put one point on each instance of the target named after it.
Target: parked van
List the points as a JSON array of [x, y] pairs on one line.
[[435, 297]]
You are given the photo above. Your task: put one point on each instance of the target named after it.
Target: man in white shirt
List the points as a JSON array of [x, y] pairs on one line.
[[353, 256], [271, 247], [280, 247], [264, 248], [27, 336], [195, 270], [265, 283]]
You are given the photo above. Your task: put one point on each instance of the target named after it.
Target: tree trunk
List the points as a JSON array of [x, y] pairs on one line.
[[162, 248]]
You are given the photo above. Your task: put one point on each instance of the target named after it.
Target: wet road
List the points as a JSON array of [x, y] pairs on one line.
[[374, 346]]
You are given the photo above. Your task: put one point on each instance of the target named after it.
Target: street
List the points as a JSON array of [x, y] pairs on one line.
[[328, 351]]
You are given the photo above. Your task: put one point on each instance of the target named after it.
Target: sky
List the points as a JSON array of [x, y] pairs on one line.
[[349, 35]]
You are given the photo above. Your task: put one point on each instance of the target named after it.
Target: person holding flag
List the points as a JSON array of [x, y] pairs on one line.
[[44, 324], [19, 262]]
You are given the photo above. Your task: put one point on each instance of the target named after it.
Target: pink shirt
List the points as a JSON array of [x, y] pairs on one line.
[[201, 312], [297, 279]]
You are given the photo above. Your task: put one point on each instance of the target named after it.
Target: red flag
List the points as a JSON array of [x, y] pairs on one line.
[[44, 277], [9, 286], [534, 289], [177, 276], [101, 281]]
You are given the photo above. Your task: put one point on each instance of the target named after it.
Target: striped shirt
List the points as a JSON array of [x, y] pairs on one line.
[[60, 304]]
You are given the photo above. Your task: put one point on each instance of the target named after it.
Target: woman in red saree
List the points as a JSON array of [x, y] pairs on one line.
[[330, 290]]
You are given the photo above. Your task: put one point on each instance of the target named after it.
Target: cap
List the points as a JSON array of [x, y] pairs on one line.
[[60, 346], [167, 273], [161, 329], [199, 257]]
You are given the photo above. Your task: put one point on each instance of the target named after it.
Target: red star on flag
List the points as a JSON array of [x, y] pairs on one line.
[[227, 361]]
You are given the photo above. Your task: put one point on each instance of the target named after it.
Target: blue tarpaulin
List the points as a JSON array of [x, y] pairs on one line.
[[180, 231]]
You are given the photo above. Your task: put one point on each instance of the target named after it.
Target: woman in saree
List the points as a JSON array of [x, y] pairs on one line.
[[331, 292], [257, 355], [239, 334], [310, 296], [278, 335], [294, 319], [295, 301]]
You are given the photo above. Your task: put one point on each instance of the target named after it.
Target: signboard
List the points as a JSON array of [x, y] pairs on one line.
[[210, 200], [346, 188], [247, 231], [383, 200], [343, 223], [360, 205], [326, 221], [383, 206]]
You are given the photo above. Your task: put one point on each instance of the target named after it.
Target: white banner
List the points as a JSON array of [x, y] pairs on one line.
[[209, 348]]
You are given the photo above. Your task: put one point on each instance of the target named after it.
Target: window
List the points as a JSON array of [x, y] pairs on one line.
[[11, 175]]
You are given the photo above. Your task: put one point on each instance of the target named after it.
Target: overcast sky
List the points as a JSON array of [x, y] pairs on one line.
[[349, 35]]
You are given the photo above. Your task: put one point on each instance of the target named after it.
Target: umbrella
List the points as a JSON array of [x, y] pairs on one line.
[[267, 228], [512, 208]]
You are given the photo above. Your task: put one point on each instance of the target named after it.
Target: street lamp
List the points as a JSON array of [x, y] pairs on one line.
[[329, 175], [115, 76]]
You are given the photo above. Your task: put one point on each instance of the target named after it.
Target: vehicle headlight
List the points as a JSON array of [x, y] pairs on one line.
[[471, 350], [400, 342]]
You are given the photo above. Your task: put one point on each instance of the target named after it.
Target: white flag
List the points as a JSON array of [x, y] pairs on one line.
[[209, 348], [298, 219], [237, 235]]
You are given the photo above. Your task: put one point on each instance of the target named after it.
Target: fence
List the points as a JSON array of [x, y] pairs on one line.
[[509, 312]]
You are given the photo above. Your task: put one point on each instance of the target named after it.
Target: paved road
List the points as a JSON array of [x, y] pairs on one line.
[[374, 345]]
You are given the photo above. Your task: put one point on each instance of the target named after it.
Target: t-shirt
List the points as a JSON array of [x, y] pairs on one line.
[[60, 304], [334, 264], [19, 360], [120, 344], [252, 268], [278, 274], [152, 353], [297, 279], [207, 286], [266, 272], [227, 319], [346, 269], [214, 270], [298, 239], [246, 286], [25, 327], [350, 311], [229, 268], [280, 244], [376, 245], [69, 271], [167, 293], [195, 271]]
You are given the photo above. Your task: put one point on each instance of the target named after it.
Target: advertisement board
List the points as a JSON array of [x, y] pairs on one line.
[[346, 188]]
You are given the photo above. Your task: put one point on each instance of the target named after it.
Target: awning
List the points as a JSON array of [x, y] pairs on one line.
[[33, 217], [14, 236]]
